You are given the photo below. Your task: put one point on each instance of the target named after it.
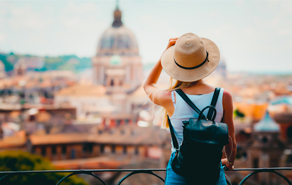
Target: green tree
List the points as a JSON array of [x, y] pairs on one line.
[[22, 161], [8, 65], [238, 114]]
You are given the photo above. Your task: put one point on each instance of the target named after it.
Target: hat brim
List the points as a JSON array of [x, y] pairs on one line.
[[191, 75]]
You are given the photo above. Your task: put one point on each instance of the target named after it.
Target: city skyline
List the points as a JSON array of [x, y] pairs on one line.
[[253, 36]]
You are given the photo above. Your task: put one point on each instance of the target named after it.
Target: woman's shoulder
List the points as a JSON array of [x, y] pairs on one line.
[[227, 99], [227, 95], [198, 89]]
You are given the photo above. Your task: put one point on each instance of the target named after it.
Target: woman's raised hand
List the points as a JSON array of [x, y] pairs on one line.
[[171, 42], [149, 86]]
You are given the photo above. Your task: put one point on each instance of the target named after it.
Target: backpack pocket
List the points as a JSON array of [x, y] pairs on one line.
[[199, 156]]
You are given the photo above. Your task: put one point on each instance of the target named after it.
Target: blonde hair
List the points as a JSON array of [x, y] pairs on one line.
[[161, 115]]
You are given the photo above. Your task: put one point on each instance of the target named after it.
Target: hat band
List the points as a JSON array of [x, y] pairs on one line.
[[206, 59]]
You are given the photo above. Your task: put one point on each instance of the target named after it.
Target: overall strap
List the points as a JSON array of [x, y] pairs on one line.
[[172, 97], [193, 106], [214, 102], [188, 101], [174, 140]]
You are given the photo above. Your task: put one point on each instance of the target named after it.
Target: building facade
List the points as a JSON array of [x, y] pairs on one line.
[[116, 94], [117, 63]]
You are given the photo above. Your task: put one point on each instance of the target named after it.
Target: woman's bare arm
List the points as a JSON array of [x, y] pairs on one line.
[[228, 119], [157, 96]]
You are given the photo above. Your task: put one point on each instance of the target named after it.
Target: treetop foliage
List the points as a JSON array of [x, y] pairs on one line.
[[24, 161]]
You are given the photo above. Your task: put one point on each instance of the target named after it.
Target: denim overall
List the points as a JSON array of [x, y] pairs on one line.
[[174, 179]]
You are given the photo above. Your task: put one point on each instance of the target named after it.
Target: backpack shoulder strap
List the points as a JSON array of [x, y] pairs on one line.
[[214, 102], [188, 101], [174, 140]]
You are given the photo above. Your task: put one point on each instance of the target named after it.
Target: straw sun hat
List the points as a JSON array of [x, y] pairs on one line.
[[191, 58]]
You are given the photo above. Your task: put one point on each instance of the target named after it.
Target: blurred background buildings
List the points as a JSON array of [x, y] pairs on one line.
[[93, 113]]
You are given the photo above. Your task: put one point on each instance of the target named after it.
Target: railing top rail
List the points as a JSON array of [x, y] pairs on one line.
[[130, 170], [262, 169], [84, 170]]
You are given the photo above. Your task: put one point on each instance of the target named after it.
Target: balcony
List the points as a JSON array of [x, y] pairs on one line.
[[252, 172]]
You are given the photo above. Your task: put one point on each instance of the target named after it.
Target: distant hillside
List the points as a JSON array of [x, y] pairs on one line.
[[67, 62], [37, 63], [8, 61]]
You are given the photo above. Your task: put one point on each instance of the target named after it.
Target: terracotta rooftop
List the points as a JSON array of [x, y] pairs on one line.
[[90, 163], [17, 140], [127, 134], [83, 90], [58, 138], [33, 80]]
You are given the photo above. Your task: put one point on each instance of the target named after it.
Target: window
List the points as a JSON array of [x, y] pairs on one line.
[[265, 140], [289, 159], [135, 120], [289, 132], [31, 118], [124, 149], [73, 154], [113, 149], [64, 149], [54, 151], [102, 149], [87, 147], [136, 151], [255, 164], [43, 151], [274, 162]]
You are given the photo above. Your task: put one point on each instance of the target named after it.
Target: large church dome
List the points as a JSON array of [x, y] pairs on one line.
[[117, 63], [117, 40]]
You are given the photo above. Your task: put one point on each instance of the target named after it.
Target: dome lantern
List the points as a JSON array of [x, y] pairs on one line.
[[117, 17]]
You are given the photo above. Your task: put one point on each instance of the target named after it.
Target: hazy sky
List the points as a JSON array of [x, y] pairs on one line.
[[252, 35]]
